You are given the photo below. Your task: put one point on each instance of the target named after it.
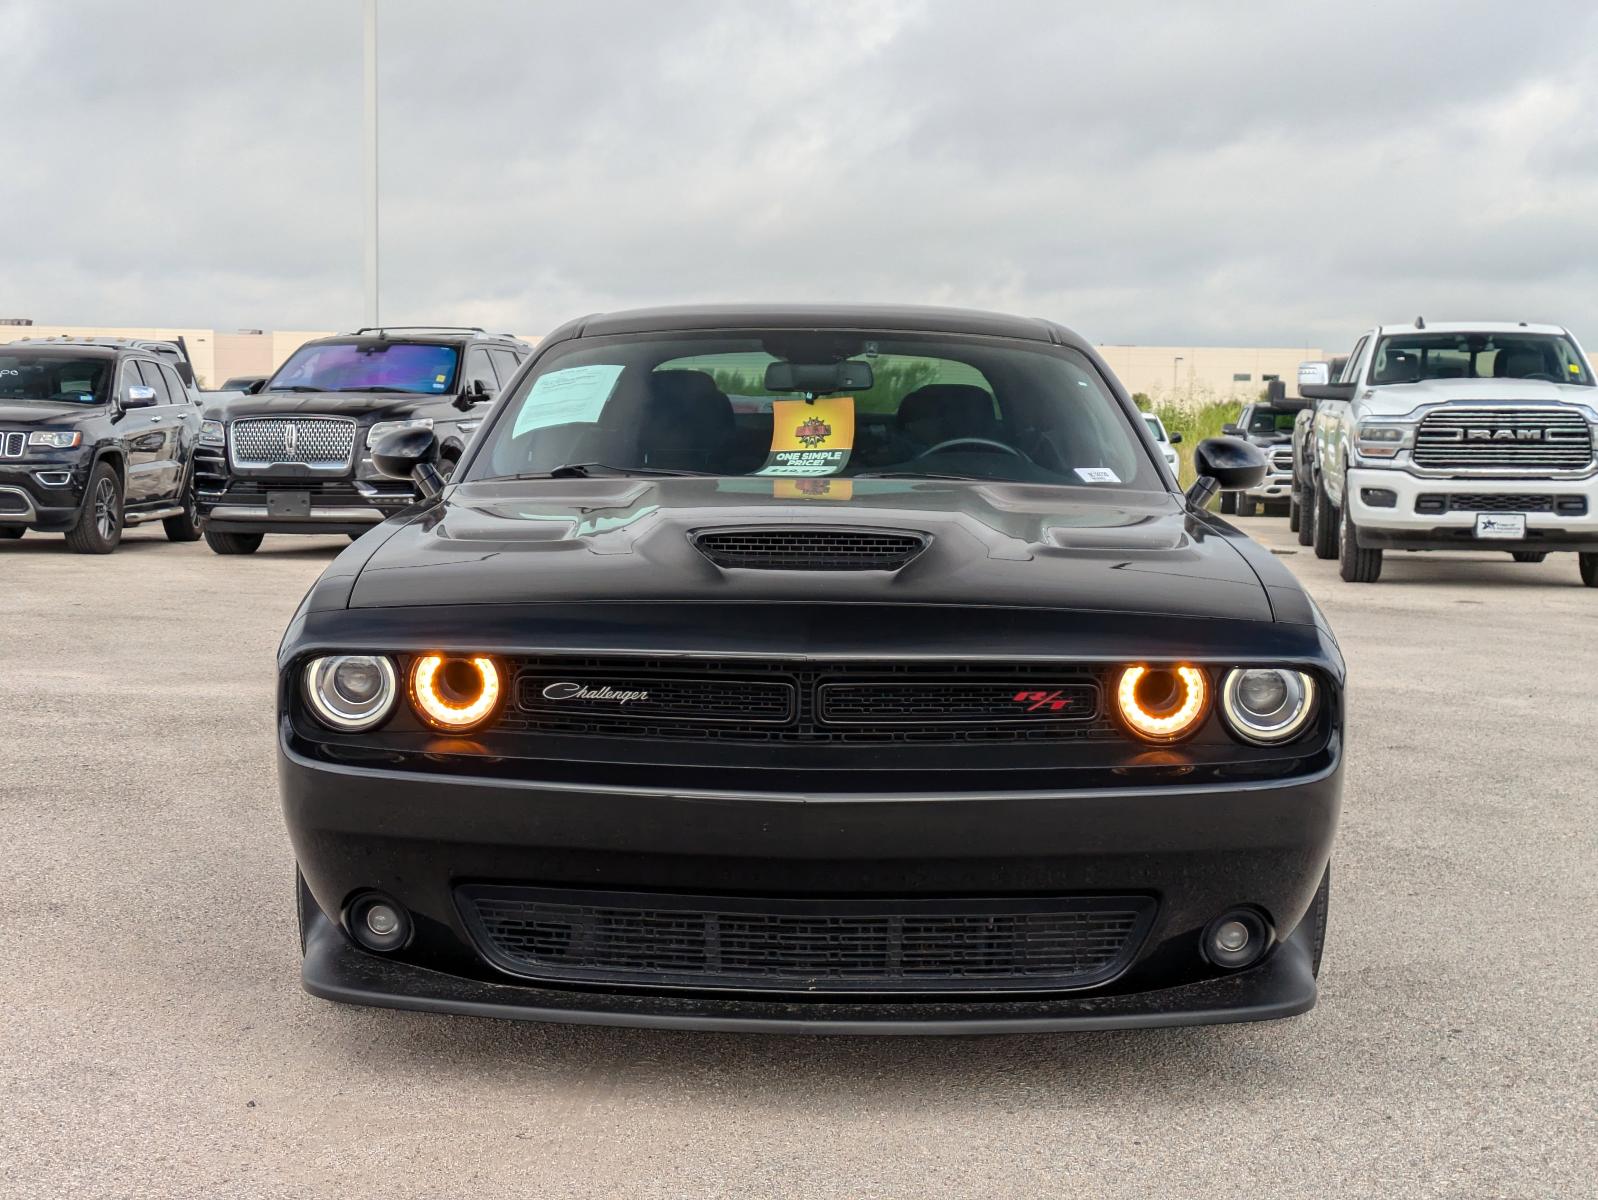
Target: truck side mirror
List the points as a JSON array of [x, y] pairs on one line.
[[410, 454], [1316, 374], [1225, 464]]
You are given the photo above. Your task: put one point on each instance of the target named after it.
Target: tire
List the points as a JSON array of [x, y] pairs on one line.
[[1247, 506], [1589, 569], [185, 527], [1354, 564], [1295, 514], [1528, 555], [233, 543], [1229, 503], [99, 526], [1324, 525], [1318, 912], [11, 532], [1306, 519]]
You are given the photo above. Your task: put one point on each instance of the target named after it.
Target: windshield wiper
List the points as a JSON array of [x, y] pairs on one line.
[[296, 387], [917, 475], [592, 469], [402, 391]]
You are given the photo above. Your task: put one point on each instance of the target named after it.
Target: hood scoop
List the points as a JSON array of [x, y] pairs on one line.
[[808, 547]]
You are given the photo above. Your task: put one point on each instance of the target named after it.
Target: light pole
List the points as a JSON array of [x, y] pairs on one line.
[[369, 157], [1175, 362]]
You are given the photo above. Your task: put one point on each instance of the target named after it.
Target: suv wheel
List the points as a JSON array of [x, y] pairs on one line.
[[233, 543], [185, 527], [1306, 517], [1324, 524], [99, 526], [1528, 555], [1246, 506], [1229, 503], [1589, 569], [1295, 514], [1354, 564]]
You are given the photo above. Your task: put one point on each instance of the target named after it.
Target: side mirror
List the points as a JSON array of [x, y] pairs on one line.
[[410, 454], [1313, 373], [1327, 391], [255, 387], [1173, 438], [1225, 464], [139, 396], [1231, 430]]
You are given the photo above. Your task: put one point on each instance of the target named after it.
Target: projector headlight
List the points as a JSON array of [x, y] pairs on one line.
[[1267, 705], [55, 439], [454, 693], [1163, 704], [350, 691]]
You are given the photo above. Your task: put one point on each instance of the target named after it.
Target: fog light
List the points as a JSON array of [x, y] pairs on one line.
[[1236, 939], [377, 922]]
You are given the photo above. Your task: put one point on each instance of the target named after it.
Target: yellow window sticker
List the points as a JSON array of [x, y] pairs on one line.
[[812, 489], [810, 437]]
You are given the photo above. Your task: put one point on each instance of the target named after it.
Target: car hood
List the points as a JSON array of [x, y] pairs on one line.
[[42, 412], [1009, 545], [1401, 399], [360, 406]]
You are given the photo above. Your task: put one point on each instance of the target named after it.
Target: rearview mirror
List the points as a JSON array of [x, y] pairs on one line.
[[1225, 464], [410, 454], [819, 379], [139, 396], [1314, 374]]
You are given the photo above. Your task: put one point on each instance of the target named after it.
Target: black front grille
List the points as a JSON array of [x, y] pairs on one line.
[[807, 703], [771, 944], [13, 444], [1502, 502], [809, 548]]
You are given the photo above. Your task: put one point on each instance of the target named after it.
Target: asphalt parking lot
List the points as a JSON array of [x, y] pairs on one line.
[[157, 1042]]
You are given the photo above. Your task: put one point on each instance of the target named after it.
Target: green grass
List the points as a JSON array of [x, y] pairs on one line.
[[1194, 424]]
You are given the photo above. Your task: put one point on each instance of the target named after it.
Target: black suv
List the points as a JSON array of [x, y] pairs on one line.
[[95, 434], [293, 454]]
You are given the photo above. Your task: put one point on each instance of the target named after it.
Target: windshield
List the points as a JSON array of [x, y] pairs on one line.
[[1412, 357], [1155, 427], [1270, 420], [817, 403], [370, 365], [51, 377]]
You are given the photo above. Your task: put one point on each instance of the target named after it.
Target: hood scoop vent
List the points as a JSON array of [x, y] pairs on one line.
[[809, 547]]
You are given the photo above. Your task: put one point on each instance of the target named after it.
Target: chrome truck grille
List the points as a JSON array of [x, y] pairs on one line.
[[303, 441], [1513, 440]]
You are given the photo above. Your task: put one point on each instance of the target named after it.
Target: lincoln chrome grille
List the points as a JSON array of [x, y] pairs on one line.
[[1503, 439], [762, 943], [303, 441]]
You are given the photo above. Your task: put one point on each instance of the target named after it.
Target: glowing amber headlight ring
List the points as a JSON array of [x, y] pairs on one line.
[[1164, 727], [439, 710]]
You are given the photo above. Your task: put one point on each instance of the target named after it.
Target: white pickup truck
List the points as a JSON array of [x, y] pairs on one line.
[[1460, 436]]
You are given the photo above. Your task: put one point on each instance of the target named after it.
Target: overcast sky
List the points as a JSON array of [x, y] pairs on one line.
[[1218, 173]]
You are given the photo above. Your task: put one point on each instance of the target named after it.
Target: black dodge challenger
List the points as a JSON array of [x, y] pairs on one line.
[[848, 670]]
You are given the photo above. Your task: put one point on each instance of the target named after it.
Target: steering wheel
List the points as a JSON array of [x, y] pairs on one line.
[[970, 441], [1542, 375]]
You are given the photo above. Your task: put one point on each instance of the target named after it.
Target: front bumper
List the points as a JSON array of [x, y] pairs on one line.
[[1195, 851], [1404, 524], [270, 501], [1278, 485], [43, 493]]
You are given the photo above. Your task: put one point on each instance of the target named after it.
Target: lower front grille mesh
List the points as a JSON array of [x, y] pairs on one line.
[[768, 944]]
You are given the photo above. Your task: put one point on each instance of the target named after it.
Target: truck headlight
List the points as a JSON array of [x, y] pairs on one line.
[[1382, 441], [383, 428], [55, 439], [1267, 705], [212, 433], [350, 692], [453, 692], [1163, 704]]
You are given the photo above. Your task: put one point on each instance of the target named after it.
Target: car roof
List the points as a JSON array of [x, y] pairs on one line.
[[1469, 327], [909, 318], [77, 349], [435, 335]]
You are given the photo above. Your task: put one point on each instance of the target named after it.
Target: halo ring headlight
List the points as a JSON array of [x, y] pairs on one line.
[[454, 692], [350, 692], [1163, 704], [1266, 705]]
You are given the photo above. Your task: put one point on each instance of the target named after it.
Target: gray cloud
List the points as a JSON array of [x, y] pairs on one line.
[[1224, 172]]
